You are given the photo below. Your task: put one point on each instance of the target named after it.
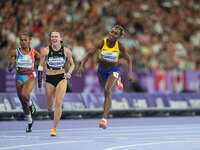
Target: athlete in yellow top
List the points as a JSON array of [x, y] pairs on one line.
[[108, 70]]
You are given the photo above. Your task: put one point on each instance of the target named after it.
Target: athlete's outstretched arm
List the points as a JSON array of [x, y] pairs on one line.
[[11, 63], [88, 55], [125, 55], [70, 62]]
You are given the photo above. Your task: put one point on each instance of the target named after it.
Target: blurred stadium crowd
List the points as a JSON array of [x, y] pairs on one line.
[[160, 34]]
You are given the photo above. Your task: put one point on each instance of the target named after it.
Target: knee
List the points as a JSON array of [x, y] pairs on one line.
[[49, 107], [107, 91], [58, 104]]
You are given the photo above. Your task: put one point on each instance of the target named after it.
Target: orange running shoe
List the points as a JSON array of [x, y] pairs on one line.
[[103, 124], [53, 132], [120, 85]]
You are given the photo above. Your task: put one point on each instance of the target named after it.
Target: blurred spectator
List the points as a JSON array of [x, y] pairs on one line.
[[164, 34]]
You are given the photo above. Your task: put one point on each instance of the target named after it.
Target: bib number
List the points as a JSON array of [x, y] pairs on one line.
[[116, 74]]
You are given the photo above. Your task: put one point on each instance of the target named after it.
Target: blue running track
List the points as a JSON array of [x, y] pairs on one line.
[[168, 133]]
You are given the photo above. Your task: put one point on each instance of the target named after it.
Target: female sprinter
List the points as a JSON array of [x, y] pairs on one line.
[[54, 56], [108, 70], [24, 58]]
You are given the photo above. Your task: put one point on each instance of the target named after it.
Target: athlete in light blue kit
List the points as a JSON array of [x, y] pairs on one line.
[[23, 60]]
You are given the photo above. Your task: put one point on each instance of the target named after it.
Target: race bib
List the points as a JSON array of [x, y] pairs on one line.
[[116, 74]]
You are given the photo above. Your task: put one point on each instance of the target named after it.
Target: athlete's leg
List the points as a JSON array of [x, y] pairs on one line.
[[26, 90], [23, 91], [50, 96], [107, 92], [50, 100], [25, 107], [60, 93], [102, 80]]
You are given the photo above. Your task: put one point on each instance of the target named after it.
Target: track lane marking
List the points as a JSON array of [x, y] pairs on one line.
[[146, 144], [42, 144]]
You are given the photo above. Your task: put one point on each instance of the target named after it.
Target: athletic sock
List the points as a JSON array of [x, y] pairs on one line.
[[104, 119]]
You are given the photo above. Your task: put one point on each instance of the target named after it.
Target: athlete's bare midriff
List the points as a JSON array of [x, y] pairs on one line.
[[24, 72], [105, 66], [55, 72]]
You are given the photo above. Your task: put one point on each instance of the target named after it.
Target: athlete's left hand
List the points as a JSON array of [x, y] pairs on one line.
[[68, 75], [130, 77]]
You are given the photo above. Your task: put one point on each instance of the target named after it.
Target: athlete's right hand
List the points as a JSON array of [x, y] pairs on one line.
[[80, 71]]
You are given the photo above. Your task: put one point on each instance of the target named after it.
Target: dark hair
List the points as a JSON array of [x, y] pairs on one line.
[[26, 34], [120, 28]]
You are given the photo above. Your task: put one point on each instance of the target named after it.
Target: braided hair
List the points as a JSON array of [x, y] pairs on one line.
[[120, 28]]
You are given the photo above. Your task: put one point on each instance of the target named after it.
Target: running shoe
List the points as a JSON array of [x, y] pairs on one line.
[[53, 132], [103, 124], [29, 127], [120, 85]]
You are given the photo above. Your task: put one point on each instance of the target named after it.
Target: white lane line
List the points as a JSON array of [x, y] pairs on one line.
[[146, 144], [42, 144]]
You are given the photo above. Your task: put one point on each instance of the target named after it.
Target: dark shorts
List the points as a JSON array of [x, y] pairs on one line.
[[105, 74], [55, 79]]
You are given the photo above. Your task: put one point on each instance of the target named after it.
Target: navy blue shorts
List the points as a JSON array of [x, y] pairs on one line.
[[105, 74]]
